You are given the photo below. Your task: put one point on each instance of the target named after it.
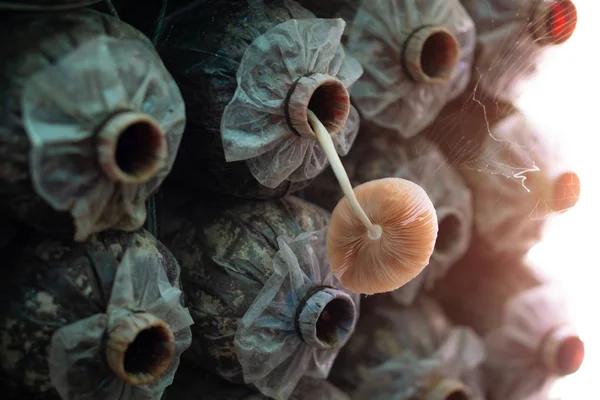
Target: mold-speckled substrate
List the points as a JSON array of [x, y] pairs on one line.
[[50, 284]]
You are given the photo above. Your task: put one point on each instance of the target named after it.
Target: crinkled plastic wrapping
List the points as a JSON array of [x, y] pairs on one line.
[[512, 185], [513, 349], [462, 355], [273, 356], [386, 95], [508, 53], [141, 284], [193, 384], [403, 378], [254, 126], [396, 379], [44, 5], [64, 104]]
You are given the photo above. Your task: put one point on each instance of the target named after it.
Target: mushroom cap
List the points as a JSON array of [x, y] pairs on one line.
[[409, 230]]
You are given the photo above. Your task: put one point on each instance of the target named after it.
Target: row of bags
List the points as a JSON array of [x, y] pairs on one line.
[[94, 120], [108, 319], [226, 72]]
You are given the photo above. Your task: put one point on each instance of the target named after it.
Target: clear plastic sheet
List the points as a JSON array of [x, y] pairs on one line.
[[405, 377], [64, 104], [254, 126], [515, 372], [273, 356], [512, 203], [463, 354], [508, 53], [141, 284], [386, 95]]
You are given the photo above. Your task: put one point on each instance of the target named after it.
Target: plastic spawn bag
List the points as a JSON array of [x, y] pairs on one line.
[[304, 309], [248, 82], [267, 308], [99, 115], [416, 55], [45, 5], [103, 319], [439, 376], [420, 334], [512, 37], [266, 121], [535, 344], [517, 181]]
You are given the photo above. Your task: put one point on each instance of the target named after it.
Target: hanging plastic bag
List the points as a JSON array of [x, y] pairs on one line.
[[302, 307], [522, 317], [518, 181], [250, 81], [418, 343], [462, 355], [267, 307], [99, 320], [266, 121], [475, 290], [417, 56], [437, 377], [536, 327], [430, 379], [101, 116], [512, 37]]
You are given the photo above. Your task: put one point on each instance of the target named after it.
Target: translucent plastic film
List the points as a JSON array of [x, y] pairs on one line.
[[141, 285], [529, 183], [270, 341], [382, 31], [511, 41], [63, 107], [462, 355], [516, 349], [265, 122], [407, 377]]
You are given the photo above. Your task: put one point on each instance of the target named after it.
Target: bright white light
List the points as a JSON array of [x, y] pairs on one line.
[[565, 99]]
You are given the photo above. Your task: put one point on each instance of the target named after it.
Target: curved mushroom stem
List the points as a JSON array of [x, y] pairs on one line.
[[554, 22], [431, 54], [562, 351], [448, 389], [140, 348], [374, 231], [325, 318], [131, 147]]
